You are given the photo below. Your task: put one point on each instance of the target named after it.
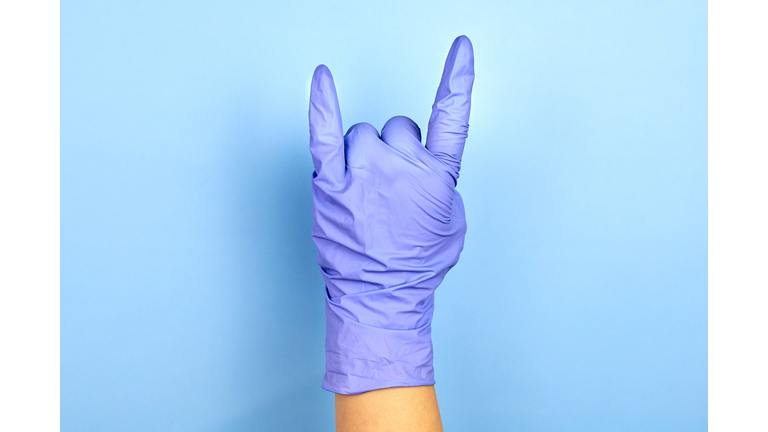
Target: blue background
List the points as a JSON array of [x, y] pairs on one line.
[[190, 295]]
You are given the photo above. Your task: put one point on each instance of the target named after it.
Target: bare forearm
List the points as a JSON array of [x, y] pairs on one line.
[[401, 409]]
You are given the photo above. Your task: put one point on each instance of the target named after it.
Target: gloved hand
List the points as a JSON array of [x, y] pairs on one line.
[[389, 224]]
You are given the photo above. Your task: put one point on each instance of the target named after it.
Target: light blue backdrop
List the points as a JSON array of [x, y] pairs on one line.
[[190, 295]]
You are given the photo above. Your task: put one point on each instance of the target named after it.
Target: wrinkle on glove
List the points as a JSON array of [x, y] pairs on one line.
[[388, 225]]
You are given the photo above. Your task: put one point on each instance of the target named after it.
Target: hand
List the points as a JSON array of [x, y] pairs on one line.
[[389, 224]]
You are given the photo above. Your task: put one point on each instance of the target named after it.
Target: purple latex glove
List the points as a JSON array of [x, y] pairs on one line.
[[389, 224]]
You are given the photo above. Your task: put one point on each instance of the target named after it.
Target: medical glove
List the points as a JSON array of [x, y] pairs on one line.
[[388, 225]]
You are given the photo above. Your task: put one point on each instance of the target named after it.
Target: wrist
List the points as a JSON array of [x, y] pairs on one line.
[[367, 356]]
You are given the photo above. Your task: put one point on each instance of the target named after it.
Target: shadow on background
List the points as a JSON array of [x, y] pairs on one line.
[[282, 282]]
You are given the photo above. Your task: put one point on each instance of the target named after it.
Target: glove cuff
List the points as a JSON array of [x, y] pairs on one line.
[[361, 357]]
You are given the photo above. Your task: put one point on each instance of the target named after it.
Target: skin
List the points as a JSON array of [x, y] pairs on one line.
[[401, 409]]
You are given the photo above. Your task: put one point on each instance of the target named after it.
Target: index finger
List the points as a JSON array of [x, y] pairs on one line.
[[449, 122]]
